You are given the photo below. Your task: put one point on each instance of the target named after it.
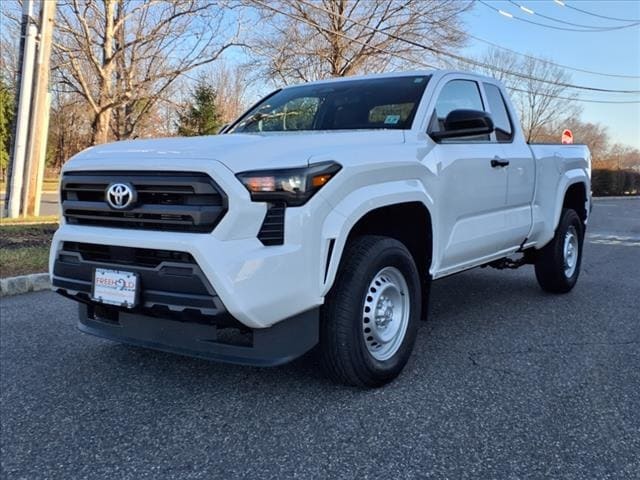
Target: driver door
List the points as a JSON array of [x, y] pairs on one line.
[[472, 191]]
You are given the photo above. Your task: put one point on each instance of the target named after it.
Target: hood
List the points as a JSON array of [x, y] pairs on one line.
[[238, 152]]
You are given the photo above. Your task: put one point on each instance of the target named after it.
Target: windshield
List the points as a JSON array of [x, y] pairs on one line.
[[379, 103]]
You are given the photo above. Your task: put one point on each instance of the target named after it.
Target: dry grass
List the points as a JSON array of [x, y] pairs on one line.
[[35, 220], [24, 249]]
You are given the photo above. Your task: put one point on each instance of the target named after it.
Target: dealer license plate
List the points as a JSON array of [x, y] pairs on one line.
[[115, 287]]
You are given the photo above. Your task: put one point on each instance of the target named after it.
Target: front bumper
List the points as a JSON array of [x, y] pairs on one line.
[[272, 346], [178, 309]]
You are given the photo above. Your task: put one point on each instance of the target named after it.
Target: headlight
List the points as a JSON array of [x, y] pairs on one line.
[[295, 186]]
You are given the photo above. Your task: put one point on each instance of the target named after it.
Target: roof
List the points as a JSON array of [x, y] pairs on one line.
[[407, 73]]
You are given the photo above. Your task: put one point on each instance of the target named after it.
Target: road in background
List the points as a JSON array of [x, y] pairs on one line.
[[48, 206], [616, 218], [505, 382]]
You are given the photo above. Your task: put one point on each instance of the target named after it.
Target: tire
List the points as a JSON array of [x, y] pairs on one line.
[[558, 263], [359, 349]]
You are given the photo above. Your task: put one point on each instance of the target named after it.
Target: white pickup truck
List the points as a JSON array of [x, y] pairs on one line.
[[320, 217]]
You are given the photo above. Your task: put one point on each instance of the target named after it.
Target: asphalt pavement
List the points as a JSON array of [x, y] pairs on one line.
[[505, 382]]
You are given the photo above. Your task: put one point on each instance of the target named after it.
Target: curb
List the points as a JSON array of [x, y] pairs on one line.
[[619, 197], [13, 224], [34, 282]]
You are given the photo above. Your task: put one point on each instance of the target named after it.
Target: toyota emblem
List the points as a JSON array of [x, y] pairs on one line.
[[120, 195]]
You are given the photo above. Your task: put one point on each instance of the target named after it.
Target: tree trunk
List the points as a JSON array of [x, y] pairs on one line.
[[101, 122], [100, 127]]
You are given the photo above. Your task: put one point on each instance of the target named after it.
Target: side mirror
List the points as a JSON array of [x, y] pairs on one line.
[[465, 123]]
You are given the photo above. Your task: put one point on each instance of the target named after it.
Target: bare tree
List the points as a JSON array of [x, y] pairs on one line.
[[9, 41], [595, 135], [230, 86], [67, 109], [539, 91], [121, 56], [310, 39], [540, 103], [621, 157]]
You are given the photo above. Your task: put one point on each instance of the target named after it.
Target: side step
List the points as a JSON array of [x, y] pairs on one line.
[[506, 263], [528, 258]]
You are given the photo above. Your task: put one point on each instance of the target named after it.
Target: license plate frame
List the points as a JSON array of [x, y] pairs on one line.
[[115, 287]]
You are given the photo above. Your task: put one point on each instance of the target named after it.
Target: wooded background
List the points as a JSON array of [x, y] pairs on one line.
[[124, 69]]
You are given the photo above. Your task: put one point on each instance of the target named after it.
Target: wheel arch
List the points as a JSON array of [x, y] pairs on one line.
[[575, 197], [408, 222], [575, 193], [400, 214]]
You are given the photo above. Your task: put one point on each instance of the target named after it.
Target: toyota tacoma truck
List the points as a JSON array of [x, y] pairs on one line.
[[317, 219]]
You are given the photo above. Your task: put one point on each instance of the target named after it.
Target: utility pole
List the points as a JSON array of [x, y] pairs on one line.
[[17, 160], [39, 129]]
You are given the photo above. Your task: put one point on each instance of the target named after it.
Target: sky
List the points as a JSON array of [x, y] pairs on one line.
[[613, 52]]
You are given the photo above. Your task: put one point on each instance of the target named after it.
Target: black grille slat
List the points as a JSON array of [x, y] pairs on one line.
[[126, 256], [79, 216], [166, 189], [83, 188], [166, 201], [272, 230]]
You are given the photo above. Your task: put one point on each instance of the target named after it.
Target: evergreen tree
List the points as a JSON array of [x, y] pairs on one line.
[[200, 115], [6, 116]]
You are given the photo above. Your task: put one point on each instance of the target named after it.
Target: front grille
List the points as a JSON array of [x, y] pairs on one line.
[[171, 281], [169, 201]]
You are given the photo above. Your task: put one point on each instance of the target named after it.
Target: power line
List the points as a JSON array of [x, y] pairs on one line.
[[448, 54], [563, 4], [567, 67], [586, 100], [514, 17], [304, 20], [564, 22]]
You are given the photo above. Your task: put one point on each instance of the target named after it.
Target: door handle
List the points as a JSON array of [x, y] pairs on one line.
[[498, 162]]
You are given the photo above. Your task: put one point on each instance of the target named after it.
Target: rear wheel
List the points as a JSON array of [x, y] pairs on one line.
[[370, 317], [558, 263]]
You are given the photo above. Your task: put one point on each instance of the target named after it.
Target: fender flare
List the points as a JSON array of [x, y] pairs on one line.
[[554, 205], [350, 210], [570, 178]]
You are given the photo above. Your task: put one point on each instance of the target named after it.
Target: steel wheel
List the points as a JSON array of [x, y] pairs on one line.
[[385, 314], [570, 251], [558, 263]]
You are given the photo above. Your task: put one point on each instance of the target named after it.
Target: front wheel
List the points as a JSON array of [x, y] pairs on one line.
[[558, 263], [370, 317]]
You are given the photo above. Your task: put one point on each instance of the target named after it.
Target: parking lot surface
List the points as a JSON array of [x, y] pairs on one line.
[[505, 382]]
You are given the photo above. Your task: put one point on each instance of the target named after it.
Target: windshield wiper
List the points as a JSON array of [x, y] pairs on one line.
[[256, 117]]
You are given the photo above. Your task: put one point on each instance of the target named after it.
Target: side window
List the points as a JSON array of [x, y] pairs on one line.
[[456, 95], [499, 113]]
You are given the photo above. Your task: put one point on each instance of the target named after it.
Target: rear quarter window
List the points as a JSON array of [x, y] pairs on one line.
[[499, 113]]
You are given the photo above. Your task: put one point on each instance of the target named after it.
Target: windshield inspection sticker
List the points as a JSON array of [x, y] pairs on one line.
[[392, 119]]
